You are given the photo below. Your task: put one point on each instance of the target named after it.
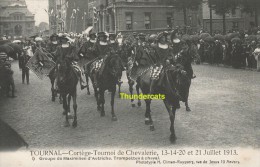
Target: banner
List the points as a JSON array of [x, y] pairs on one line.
[[41, 68]]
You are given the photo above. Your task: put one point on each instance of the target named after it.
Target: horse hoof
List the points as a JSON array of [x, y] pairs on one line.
[[147, 122], [173, 139], [70, 117], [88, 93], [102, 114], [64, 113], [98, 108], [61, 102], [139, 104], [74, 124], [188, 109], [114, 118], [152, 128], [53, 99], [133, 105], [66, 124]]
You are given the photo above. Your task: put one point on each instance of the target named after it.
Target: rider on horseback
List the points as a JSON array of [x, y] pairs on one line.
[[102, 50], [52, 45], [115, 49], [161, 56], [87, 51], [66, 52]]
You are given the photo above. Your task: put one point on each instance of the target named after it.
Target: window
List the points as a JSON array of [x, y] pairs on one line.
[[235, 25], [147, 20], [129, 23], [169, 20], [233, 12]]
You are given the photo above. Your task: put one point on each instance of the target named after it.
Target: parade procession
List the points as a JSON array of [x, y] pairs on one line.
[[109, 87]]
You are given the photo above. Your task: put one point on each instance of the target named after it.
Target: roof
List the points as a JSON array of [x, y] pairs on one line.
[[10, 10], [5, 3]]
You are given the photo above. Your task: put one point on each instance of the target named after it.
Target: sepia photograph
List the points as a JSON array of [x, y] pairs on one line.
[[130, 83]]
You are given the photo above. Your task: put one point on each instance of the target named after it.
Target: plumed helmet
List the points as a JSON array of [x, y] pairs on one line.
[[152, 38]]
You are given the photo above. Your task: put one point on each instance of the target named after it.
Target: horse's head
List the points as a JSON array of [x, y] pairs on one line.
[[63, 69], [180, 81], [115, 65]]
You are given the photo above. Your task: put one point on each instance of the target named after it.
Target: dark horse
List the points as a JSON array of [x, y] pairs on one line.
[[52, 76], [173, 79], [107, 80], [12, 50], [128, 62], [67, 83]]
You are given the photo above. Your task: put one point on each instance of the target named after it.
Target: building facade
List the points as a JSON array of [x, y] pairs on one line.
[[16, 20], [235, 20], [138, 15], [57, 15], [77, 15]]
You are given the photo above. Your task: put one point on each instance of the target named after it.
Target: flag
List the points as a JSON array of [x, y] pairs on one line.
[[94, 10], [43, 67]]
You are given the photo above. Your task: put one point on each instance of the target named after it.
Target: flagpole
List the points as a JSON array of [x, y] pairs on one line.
[[115, 16]]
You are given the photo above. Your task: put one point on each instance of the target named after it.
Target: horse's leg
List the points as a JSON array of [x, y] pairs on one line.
[[75, 106], [187, 102], [114, 118], [69, 114], [148, 117], [65, 112], [171, 110], [88, 92], [52, 90], [102, 102], [137, 87], [119, 89], [131, 84], [61, 100]]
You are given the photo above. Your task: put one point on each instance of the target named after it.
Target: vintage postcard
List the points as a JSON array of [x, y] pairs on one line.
[[130, 83]]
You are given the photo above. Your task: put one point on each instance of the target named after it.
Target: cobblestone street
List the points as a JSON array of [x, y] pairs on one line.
[[224, 102]]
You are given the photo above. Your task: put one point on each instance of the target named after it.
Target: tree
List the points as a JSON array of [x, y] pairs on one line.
[[210, 16], [184, 5], [223, 7], [251, 6]]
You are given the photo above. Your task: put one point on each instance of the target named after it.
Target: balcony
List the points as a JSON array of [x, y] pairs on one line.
[[136, 4]]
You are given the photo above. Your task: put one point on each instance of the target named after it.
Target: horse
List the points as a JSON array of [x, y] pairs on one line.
[[52, 76], [107, 80], [174, 79], [127, 55], [12, 50], [67, 83]]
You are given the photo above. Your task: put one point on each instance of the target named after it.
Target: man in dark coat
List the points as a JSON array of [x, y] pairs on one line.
[[67, 52], [52, 45], [87, 52], [161, 56], [102, 50], [24, 58]]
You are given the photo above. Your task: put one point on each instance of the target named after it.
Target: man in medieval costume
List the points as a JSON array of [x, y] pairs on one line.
[[162, 55], [52, 45], [87, 52], [67, 52], [102, 50]]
